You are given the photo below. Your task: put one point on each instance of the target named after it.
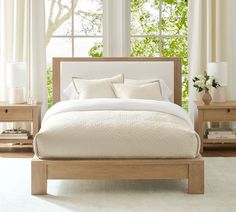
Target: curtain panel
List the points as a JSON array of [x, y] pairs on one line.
[[22, 36], [210, 40]]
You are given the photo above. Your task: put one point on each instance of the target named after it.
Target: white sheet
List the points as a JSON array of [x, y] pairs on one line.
[[118, 104]]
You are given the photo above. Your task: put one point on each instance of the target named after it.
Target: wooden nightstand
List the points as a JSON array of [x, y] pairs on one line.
[[20, 113], [215, 112]]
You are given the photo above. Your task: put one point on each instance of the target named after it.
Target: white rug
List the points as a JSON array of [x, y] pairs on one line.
[[91, 195]]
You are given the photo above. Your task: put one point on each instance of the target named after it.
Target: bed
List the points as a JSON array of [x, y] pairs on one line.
[[131, 138]]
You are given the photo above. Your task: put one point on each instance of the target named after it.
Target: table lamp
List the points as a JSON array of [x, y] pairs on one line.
[[220, 72], [16, 82]]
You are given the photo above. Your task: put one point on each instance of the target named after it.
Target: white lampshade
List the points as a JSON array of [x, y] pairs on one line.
[[16, 75], [219, 71]]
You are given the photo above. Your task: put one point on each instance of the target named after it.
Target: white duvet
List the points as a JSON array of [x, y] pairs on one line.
[[116, 128]]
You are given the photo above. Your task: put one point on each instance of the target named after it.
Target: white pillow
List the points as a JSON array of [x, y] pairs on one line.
[[145, 91], [96, 88], [70, 93], [165, 90]]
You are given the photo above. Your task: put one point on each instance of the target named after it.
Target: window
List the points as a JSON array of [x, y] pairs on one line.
[[73, 29], [159, 28]]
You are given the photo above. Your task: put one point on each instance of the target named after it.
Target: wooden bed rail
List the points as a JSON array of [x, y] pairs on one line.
[[191, 169]]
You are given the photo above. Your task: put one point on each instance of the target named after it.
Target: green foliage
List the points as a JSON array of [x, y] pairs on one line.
[[176, 47], [185, 89], [96, 50], [173, 24], [148, 47], [49, 83], [143, 21]]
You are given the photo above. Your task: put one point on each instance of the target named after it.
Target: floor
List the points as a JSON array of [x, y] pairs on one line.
[[118, 195], [88, 195]]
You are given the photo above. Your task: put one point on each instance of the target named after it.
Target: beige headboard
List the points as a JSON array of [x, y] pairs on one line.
[[166, 68]]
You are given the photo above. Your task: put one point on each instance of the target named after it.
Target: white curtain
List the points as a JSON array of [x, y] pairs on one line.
[[22, 34], [210, 39]]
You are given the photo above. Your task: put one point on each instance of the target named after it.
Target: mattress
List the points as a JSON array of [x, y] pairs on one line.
[[116, 128]]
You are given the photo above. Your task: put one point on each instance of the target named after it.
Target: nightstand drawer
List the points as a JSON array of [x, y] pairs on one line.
[[10, 114], [220, 115]]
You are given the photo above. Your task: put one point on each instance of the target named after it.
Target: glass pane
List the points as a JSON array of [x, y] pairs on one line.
[[58, 18], [176, 47], [59, 47], [144, 17], [85, 47], [174, 8], [174, 17], [185, 88], [146, 47], [174, 26], [88, 17]]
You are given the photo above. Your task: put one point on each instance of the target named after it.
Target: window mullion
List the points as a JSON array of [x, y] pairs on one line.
[[159, 36], [77, 36]]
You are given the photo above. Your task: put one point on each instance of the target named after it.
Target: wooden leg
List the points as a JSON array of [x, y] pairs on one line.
[[38, 179], [196, 179]]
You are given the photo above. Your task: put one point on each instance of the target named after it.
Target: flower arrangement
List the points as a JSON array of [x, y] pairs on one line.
[[204, 82]]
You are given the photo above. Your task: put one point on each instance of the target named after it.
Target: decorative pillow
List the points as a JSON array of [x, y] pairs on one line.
[[96, 88], [146, 91], [165, 90]]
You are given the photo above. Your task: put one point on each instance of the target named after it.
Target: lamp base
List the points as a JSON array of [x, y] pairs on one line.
[[16, 95]]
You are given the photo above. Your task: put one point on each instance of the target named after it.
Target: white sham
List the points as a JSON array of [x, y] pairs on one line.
[[95, 88], [150, 91]]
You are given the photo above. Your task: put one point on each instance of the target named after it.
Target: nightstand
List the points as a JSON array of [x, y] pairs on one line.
[[215, 112], [20, 113]]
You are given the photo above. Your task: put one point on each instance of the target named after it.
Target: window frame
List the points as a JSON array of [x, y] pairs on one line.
[[73, 36], [159, 35]]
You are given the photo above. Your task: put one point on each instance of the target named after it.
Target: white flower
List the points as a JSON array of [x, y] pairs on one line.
[[203, 82], [200, 83], [209, 83], [200, 77]]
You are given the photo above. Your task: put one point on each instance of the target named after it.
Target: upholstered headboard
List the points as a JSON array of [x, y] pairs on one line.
[[168, 69]]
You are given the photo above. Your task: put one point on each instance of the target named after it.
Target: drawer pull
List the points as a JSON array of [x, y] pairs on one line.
[[6, 111], [228, 110]]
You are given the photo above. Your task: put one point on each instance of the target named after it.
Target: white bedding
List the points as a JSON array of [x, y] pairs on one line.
[[116, 128]]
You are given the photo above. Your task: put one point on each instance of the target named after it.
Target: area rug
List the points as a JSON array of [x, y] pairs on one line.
[[123, 195]]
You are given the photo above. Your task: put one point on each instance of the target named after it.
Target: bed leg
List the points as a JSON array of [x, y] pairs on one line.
[[196, 179], [38, 178]]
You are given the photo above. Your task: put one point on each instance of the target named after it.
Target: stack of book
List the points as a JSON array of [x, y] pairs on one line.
[[220, 133], [14, 134]]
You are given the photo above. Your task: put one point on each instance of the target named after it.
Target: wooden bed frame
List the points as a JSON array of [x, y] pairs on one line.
[[191, 169]]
